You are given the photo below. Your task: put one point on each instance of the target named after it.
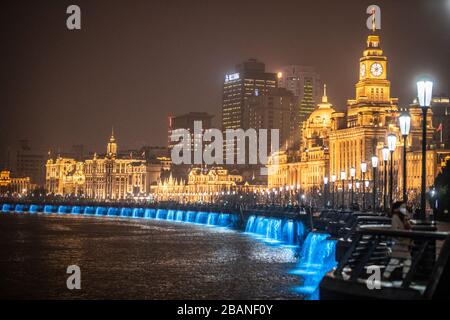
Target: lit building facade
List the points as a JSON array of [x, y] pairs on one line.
[[64, 176], [335, 142], [9, 184], [306, 168], [107, 177], [203, 185], [113, 178]]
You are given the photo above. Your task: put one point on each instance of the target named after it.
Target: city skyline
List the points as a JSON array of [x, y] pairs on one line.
[[223, 151], [74, 85]]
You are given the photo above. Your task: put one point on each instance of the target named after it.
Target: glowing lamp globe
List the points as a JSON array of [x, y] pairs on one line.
[[385, 152], [374, 161], [424, 93], [392, 142], [363, 167], [405, 123]]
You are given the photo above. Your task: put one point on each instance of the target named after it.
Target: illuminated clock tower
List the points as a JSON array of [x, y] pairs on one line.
[[370, 116], [373, 105], [372, 75]]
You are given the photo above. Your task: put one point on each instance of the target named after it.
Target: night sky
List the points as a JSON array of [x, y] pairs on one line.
[[136, 61]]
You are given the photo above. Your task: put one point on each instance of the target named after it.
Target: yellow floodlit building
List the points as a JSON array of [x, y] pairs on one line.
[[203, 185], [335, 142], [13, 184], [64, 176], [108, 177]]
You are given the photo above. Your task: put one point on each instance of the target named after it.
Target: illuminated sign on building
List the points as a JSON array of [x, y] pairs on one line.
[[231, 77]]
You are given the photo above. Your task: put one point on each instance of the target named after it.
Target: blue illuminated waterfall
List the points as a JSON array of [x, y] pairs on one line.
[[150, 213], [180, 215], [196, 217], [317, 252], [34, 208], [318, 256], [49, 209], [276, 230], [76, 210]]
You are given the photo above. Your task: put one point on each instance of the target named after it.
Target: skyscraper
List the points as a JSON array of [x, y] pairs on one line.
[[186, 121], [275, 110], [248, 79], [305, 83]]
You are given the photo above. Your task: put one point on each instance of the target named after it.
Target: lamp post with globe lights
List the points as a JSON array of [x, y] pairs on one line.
[[424, 95], [385, 154], [325, 193], [343, 177], [405, 127], [333, 181], [357, 186], [392, 144], [352, 175], [367, 184], [374, 173], [363, 174]]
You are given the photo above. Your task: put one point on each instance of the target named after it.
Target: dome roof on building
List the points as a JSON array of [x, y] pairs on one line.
[[323, 110]]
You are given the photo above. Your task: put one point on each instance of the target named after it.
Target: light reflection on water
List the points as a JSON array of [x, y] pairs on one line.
[[138, 259]]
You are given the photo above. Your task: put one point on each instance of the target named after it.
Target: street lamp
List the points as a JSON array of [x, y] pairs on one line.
[[325, 184], [343, 177], [374, 170], [405, 127], [352, 175], [385, 153], [392, 143], [424, 94], [333, 180], [363, 173]]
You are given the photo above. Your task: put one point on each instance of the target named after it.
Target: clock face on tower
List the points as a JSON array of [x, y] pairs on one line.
[[376, 69], [363, 70]]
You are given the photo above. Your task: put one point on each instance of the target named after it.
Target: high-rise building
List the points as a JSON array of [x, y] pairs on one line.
[[305, 83], [186, 122], [275, 110], [247, 80]]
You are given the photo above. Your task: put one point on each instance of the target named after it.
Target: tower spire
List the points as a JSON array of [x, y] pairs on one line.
[[111, 148], [324, 98]]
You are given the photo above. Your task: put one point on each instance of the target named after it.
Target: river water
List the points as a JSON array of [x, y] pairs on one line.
[[138, 259]]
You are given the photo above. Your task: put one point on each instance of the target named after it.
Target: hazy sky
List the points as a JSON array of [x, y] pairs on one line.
[[136, 61]]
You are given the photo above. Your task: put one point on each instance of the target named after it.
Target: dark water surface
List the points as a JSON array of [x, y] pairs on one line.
[[137, 259]]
